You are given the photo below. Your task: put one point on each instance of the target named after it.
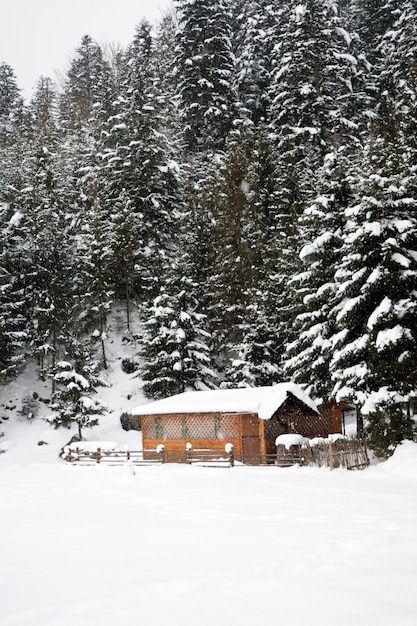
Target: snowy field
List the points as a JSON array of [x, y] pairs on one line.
[[187, 545]]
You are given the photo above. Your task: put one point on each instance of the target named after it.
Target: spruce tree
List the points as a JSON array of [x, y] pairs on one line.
[[205, 73], [372, 362], [124, 254], [51, 273], [318, 102], [76, 380], [231, 267], [371, 20], [95, 253], [307, 356], [257, 32], [317, 92], [175, 352], [14, 139], [139, 158], [11, 105], [256, 362], [397, 114], [13, 322], [87, 90]]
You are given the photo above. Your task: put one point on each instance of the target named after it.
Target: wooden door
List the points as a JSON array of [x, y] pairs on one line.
[[251, 441]]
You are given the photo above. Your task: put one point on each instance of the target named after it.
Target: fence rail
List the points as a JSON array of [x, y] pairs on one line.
[[347, 453], [79, 456], [208, 458]]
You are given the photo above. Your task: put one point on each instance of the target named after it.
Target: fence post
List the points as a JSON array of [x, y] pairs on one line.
[[365, 451], [189, 451], [331, 457], [228, 448], [160, 449], [98, 455]]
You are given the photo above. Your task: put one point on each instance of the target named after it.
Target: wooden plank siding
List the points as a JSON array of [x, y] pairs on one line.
[[205, 431]]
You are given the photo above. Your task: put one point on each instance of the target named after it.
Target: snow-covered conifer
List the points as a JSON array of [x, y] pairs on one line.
[[11, 104], [258, 30], [307, 356], [75, 384], [175, 353], [87, 88], [376, 309], [139, 157], [205, 73]]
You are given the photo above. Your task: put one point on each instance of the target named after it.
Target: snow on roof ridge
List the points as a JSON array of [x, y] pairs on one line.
[[261, 400]]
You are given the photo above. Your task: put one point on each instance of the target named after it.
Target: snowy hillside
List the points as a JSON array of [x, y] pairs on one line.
[[22, 436]]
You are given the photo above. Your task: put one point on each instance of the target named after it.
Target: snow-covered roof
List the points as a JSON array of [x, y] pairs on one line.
[[261, 400]]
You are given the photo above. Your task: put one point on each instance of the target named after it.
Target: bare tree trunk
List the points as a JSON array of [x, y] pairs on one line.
[[128, 310]]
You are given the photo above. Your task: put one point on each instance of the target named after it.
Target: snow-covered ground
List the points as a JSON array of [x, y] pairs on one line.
[[176, 545]]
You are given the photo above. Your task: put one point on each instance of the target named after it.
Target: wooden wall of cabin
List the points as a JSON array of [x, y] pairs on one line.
[[291, 420], [176, 451], [251, 437], [333, 413], [208, 431]]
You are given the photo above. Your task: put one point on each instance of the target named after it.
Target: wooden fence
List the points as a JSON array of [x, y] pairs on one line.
[[81, 456], [209, 458], [347, 453]]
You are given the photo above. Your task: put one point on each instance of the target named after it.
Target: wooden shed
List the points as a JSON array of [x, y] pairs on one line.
[[249, 418]]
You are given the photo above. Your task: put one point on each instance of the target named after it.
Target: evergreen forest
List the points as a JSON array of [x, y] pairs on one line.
[[243, 179]]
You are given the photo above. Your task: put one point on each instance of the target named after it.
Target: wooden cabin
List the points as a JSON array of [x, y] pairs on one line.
[[249, 418], [342, 416]]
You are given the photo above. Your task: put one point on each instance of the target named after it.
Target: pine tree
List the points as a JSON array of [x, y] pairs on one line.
[[317, 92], [124, 253], [11, 105], [257, 32], [87, 90], [96, 281], [307, 356], [12, 318], [205, 73], [140, 158], [376, 306], [175, 352], [75, 383]]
